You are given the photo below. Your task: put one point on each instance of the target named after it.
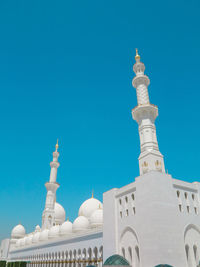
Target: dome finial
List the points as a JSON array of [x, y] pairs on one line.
[[137, 56], [57, 146], [92, 193]]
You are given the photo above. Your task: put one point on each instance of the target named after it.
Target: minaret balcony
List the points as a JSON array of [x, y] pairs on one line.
[[144, 111], [140, 79], [52, 186], [54, 164]]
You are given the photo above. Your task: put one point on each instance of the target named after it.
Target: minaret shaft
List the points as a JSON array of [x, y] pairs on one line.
[[148, 138], [142, 94], [48, 217], [145, 114]]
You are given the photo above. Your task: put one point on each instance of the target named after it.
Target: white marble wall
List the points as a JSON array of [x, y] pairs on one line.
[[150, 228]]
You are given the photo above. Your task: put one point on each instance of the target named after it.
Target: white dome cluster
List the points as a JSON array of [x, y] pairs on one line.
[[89, 206], [90, 216]]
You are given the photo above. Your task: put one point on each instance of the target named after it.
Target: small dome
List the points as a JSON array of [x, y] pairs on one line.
[[66, 228], [44, 235], [36, 237], [37, 228], [59, 213], [54, 231], [89, 206], [116, 260], [18, 231], [80, 224], [29, 239], [96, 218]]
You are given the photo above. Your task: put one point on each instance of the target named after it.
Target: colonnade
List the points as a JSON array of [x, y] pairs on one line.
[[71, 258]]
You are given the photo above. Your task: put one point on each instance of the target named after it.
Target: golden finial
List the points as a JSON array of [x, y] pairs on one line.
[[67, 218], [137, 56], [57, 146], [92, 193]]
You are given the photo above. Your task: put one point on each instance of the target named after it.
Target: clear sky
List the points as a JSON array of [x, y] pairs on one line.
[[66, 72]]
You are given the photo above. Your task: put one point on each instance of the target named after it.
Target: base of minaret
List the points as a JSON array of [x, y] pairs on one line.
[[151, 161], [48, 216]]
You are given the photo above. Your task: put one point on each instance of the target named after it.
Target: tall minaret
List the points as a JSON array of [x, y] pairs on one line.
[[144, 113], [48, 216]]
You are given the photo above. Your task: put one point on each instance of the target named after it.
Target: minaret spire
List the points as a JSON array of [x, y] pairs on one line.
[[137, 56], [57, 146], [48, 217], [145, 114]]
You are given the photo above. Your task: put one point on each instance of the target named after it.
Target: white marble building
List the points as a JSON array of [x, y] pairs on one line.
[[153, 220]]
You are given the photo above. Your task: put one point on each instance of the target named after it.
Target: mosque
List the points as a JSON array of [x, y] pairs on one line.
[[152, 221]]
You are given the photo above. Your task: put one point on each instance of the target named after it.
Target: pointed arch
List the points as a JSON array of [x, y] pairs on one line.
[[192, 244], [129, 246]]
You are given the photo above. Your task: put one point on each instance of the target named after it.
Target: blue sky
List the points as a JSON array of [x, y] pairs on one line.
[[66, 72]]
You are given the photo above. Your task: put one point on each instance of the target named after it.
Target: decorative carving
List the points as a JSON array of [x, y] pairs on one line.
[[145, 167], [158, 165]]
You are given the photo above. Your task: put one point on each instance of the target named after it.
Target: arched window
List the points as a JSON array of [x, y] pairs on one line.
[[180, 207], [196, 256], [120, 214], [126, 212], [137, 255], [188, 209], [188, 256], [95, 253], [89, 255], [130, 255]]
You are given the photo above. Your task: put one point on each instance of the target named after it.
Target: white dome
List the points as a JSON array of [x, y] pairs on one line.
[[80, 224], [59, 213], [54, 231], [37, 228], [18, 231], [96, 218], [44, 235], [89, 206], [29, 239], [36, 237], [66, 228]]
